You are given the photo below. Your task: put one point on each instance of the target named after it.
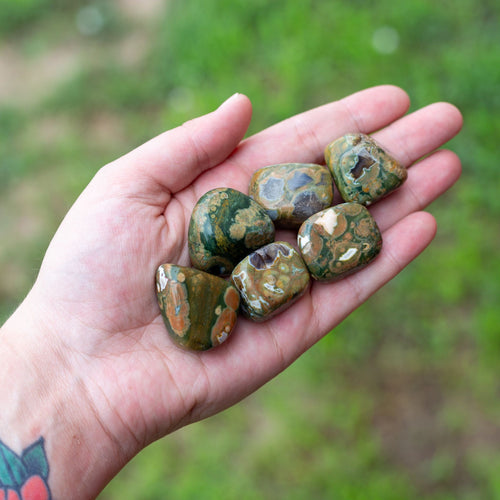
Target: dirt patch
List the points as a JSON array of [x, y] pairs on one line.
[[145, 10], [26, 80]]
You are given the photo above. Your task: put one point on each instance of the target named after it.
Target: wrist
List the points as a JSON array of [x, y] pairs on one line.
[[44, 395]]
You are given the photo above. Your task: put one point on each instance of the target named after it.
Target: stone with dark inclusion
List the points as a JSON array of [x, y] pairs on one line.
[[338, 241], [270, 280], [226, 225], [292, 192], [198, 309], [362, 170]]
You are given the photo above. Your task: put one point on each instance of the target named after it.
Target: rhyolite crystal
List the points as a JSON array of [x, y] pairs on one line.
[[338, 241], [270, 280], [292, 192], [198, 309], [226, 225], [362, 170]]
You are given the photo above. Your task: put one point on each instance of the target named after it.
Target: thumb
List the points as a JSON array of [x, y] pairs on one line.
[[176, 157]]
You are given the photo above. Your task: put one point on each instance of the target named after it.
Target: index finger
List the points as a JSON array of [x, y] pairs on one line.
[[303, 137]]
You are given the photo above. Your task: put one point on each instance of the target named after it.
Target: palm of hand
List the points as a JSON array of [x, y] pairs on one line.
[[98, 274]]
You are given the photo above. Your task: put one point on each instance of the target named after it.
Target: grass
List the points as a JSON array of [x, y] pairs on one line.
[[401, 400]]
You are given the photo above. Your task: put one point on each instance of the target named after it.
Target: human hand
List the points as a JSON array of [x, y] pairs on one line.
[[93, 314]]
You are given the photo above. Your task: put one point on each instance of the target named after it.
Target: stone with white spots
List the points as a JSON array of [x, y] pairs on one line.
[[338, 241]]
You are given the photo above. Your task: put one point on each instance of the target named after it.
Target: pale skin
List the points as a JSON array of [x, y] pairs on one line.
[[85, 360]]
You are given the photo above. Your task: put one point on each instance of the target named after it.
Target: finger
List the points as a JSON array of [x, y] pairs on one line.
[[176, 157], [421, 132], [427, 180], [304, 137]]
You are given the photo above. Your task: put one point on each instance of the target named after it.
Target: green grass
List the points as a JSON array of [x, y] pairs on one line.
[[401, 400]]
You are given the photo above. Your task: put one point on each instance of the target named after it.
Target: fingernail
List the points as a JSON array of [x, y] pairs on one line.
[[229, 100]]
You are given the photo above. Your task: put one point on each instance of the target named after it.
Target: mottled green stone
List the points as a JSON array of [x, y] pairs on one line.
[[198, 309], [338, 241], [292, 192], [270, 280], [362, 170], [226, 225]]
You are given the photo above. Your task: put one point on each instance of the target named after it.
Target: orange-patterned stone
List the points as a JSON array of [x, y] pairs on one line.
[[198, 309]]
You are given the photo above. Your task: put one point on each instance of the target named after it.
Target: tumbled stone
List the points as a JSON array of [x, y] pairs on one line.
[[198, 309], [362, 170], [270, 280], [338, 241], [225, 226], [292, 192]]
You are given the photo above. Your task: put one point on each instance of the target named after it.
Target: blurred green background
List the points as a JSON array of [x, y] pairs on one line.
[[402, 400]]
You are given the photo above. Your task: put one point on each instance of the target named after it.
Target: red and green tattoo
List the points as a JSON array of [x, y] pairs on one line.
[[25, 476]]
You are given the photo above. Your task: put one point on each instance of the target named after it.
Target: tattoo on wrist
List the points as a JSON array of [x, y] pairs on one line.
[[25, 476]]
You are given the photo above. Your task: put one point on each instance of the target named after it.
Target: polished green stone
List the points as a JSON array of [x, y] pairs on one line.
[[292, 192], [362, 170], [270, 280], [338, 241], [226, 225], [198, 309]]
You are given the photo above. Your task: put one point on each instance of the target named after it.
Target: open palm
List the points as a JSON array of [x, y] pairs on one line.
[[95, 293]]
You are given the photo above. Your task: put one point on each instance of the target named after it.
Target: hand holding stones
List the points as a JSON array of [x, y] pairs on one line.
[[230, 231], [94, 300]]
